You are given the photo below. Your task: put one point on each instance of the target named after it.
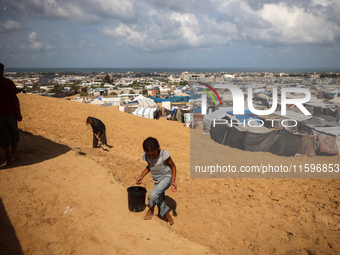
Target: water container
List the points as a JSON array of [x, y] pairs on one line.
[[136, 198]]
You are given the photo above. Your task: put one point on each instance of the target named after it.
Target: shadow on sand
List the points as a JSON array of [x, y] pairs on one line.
[[172, 205], [9, 243], [34, 149]]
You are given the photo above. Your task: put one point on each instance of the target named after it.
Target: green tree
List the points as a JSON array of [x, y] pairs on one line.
[[183, 83], [74, 87], [107, 79], [131, 92], [144, 91], [57, 89]]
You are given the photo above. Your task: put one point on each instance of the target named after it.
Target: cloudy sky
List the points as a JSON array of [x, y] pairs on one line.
[[172, 33]]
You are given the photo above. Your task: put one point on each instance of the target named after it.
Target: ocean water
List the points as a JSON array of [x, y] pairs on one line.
[[171, 70]]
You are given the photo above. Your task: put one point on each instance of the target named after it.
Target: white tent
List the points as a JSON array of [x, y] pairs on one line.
[[98, 102], [144, 101], [335, 100], [112, 101], [145, 112]]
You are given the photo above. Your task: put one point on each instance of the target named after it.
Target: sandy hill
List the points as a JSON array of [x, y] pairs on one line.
[[58, 168]]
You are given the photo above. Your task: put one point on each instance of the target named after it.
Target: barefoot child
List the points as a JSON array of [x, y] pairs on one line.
[[163, 171]]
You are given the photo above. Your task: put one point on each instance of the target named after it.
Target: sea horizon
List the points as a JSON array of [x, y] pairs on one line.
[[170, 69]]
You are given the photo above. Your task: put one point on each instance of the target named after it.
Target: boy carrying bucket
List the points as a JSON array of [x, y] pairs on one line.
[[163, 171]]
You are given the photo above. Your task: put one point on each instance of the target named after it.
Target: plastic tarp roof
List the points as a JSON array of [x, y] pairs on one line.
[[143, 102], [333, 131], [98, 102], [247, 114], [322, 121], [144, 112], [329, 130], [218, 114], [280, 142], [174, 99], [148, 113], [146, 103], [293, 115], [336, 100]]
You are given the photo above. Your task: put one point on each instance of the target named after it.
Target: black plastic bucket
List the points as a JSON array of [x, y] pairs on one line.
[[136, 198]]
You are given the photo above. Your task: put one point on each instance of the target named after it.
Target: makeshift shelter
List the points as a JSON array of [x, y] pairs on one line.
[[112, 101], [322, 108], [246, 117], [279, 142], [98, 102], [308, 145], [335, 100], [142, 101], [145, 112], [172, 99], [321, 121], [292, 118], [328, 145], [220, 113]]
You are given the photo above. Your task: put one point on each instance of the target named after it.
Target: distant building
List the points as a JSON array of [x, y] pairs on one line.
[[173, 79], [314, 76], [164, 91], [196, 77], [46, 88], [153, 92], [229, 76]]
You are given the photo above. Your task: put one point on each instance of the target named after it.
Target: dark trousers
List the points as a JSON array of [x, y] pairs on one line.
[[102, 139], [9, 131]]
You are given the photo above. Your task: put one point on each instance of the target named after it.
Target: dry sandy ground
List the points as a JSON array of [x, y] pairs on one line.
[[58, 168]]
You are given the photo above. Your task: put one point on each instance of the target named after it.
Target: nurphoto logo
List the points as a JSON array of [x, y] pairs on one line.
[[238, 104]]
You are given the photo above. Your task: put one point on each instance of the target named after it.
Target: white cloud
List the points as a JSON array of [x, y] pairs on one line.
[[10, 26], [173, 30], [293, 25], [33, 41], [83, 11], [283, 23], [197, 6]]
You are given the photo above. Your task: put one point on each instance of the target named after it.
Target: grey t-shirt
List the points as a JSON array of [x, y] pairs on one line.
[[159, 168]]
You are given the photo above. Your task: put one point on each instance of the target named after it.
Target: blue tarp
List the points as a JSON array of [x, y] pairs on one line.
[[247, 114], [172, 99]]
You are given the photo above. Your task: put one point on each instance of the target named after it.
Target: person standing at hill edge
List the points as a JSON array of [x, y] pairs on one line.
[[99, 131], [10, 114]]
